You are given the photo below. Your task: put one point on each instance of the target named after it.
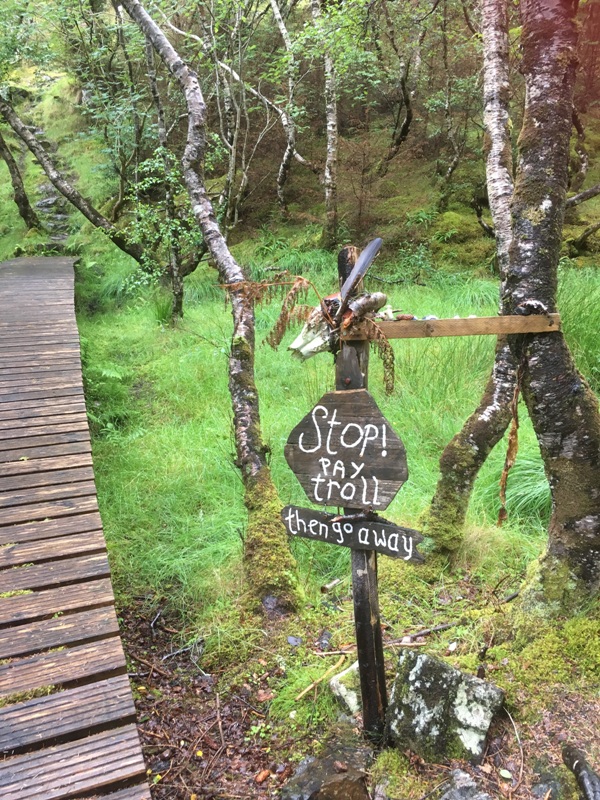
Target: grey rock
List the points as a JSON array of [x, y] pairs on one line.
[[548, 787], [322, 779], [464, 788], [346, 687], [438, 711]]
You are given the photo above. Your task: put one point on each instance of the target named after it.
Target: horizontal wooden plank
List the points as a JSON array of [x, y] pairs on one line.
[[72, 422], [55, 573], [12, 555], [66, 377], [33, 362], [62, 667], [46, 603], [43, 465], [14, 449], [476, 326], [67, 629], [44, 409], [140, 792], [44, 494], [66, 770], [57, 508], [73, 711], [36, 394], [50, 528], [54, 477], [33, 450]]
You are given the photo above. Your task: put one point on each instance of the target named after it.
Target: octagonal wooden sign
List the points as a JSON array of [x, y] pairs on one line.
[[344, 453]]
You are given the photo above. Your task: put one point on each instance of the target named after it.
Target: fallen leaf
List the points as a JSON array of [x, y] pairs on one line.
[[263, 695], [504, 773], [340, 766], [486, 768], [262, 776]]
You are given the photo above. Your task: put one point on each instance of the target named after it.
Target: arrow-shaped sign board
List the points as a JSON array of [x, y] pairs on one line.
[[366, 532], [344, 453]]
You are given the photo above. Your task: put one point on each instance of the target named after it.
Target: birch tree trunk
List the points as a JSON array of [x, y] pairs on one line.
[[26, 211], [466, 453], [330, 232], [562, 408], [269, 565]]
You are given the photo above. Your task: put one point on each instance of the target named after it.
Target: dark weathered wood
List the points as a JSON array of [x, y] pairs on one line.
[[62, 667], [12, 555], [79, 710], [55, 573], [66, 629], [50, 528], [65, 770], [45, 494], [49, 478], [366, 534], [33, 450], [47, 603], [41, 466], [58, 627], [345, 452], [477, 326], [367, 622]]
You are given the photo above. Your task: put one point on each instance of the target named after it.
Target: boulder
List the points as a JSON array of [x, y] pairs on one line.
[[439, 712]]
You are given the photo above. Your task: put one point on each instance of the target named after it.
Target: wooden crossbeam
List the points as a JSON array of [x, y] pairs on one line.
[[471, 326]]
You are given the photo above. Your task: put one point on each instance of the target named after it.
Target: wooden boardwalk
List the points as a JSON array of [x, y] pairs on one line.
[[67, 720]]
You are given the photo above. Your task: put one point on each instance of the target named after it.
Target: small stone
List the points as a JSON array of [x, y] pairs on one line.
[[346, 687], [464, 788]]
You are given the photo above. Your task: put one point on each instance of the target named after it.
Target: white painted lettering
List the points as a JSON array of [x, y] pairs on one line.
[[339, 467], [363, 536], [343, 441], [289, 517], [299, 522], [312, 525], [318, 430], [323, 530], [380, 539], [337, 529], [330, 485], [393, 540], [348, 491], [331, 424], [408, 546], [325, 464], [357, 469], [316, 482], [369, 438]]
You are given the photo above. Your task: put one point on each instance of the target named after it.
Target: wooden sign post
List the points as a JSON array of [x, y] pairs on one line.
[[344, 453]]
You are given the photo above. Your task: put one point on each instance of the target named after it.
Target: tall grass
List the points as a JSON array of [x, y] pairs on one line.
[[170, 494]]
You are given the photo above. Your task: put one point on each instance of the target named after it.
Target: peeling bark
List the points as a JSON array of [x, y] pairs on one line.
[[269, 564], [68, 191], [26, 211], [467, 451], [563, 410]]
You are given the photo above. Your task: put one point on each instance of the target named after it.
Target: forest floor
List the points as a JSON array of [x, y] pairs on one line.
[[208, 736]]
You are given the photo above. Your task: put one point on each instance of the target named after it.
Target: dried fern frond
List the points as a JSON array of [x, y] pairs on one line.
[[290, 312], [381, 344]]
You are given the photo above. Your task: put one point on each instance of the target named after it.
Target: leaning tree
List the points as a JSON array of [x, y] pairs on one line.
[[529, 217]]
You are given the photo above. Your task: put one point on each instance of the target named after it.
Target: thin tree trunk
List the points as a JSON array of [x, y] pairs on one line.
[[22, 201], [593, 191], [330, 232], [269, 564], [448, 121], [467, 451], [167, 158], [68, 191], [562, 408], [288, 123]]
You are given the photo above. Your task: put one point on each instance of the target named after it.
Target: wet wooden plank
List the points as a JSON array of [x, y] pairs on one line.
[[37, 467], [50, 528], [36, 394], [72, 711], [46, 603], [45, 494], [67, 426], [13, 555], [61, 667], [42, 410], [50, 478], [40, 511], [79, 444], [11, 448], [55, 573], [51, 379], [67, 629], [103, 760], [132, 793]]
